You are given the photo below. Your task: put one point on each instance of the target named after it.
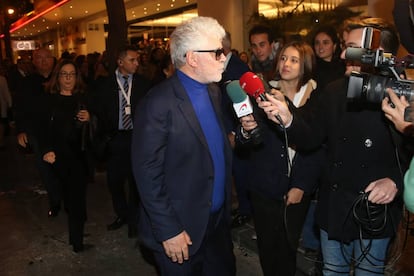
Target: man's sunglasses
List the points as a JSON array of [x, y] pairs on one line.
[[217, 52]]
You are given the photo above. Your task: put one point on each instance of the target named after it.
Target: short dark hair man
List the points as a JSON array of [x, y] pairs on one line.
[[114, 106], [264, 53], [363, 168]]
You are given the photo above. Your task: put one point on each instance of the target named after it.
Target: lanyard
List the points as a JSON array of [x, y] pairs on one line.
[[125, 94]]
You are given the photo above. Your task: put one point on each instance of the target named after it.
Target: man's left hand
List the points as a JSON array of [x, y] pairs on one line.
[[382, 191]]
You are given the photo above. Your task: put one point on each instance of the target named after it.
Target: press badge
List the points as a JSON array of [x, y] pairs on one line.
[[128, 110]]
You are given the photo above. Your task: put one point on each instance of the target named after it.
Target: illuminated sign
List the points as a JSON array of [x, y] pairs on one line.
[[23, 45]]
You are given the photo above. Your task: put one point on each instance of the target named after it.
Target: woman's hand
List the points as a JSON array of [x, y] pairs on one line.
[[276, 108], [49, 157], [248, 122], [83, 115]]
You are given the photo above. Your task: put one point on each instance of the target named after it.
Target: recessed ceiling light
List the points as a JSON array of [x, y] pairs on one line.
[[70, 18], [172, 5], [71, 7], [86, 11], [57, 23]]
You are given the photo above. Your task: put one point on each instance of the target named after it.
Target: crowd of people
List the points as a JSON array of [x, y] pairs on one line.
[[326, 173]]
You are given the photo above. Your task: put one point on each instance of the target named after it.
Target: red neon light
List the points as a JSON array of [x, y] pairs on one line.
[[24, 23]]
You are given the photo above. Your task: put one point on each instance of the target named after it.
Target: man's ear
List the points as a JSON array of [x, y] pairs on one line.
[[191, 59]]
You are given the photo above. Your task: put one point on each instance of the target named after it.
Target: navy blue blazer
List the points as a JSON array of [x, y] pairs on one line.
[[173, 167]]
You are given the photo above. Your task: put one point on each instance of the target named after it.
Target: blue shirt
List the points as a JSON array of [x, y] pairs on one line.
[[203, 107]]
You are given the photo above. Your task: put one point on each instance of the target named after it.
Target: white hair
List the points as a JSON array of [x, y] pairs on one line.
[[191, 35]]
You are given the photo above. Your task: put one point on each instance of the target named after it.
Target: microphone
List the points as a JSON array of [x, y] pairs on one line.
[[253, 85], [241, 102], [243, 107], [256, 87]]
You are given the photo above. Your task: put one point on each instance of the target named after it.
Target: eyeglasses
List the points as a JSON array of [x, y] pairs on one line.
[[64, 74], [217, 52]]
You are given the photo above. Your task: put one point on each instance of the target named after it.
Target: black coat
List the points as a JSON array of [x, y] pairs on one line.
[[361, 149], [268, 167]]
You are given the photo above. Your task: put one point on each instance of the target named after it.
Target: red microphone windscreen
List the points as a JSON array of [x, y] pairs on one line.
[[252, 84]]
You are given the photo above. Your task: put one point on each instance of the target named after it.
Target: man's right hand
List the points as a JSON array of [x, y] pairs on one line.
[[176, 248], [22, 139]]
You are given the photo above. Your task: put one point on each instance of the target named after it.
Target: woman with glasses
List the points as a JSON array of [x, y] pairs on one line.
[[64, 140]]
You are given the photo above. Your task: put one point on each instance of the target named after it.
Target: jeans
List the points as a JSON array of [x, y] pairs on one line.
[[310, 233], [338, 256]]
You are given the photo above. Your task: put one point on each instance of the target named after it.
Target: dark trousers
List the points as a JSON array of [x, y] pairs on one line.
[[240, 174], [278, 230], [48, 176], [73, 176], [119, 173], [214, 257]]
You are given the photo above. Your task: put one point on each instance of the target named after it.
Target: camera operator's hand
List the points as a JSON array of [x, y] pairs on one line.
[[382, 191], [394, 108], [276, 106]]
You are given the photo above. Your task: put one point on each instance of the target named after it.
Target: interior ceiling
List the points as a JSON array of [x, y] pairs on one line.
[[94, 11]]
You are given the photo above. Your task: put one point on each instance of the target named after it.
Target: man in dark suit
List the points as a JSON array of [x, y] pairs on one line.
[[365, 164], [182, 159], [28, 104], [114, 105]]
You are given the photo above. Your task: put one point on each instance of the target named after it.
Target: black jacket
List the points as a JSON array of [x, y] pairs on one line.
[[361, 147]]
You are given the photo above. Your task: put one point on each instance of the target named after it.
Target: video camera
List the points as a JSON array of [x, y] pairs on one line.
[[372, 87]]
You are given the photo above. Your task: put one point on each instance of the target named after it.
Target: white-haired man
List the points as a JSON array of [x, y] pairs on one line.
[[182, 159]]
